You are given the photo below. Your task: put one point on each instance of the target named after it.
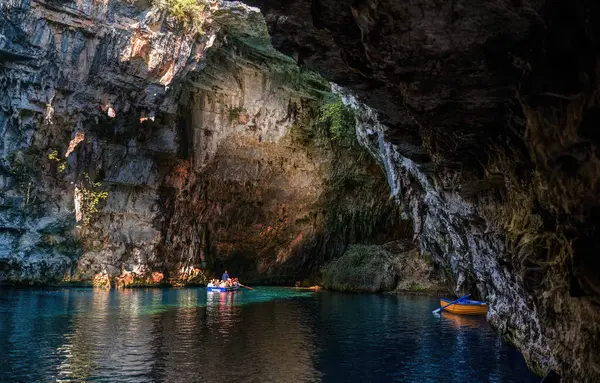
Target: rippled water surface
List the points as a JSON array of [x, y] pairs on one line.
[[267, 335]]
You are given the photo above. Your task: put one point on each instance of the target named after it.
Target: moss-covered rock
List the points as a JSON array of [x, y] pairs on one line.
[[362, 268], [393, 266]]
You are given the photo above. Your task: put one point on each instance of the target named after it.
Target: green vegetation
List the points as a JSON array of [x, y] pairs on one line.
[[53, 156], [190, 13], [234, 113], [417, 287], [330, 130], [62, 164], [335, 125], [305, 82], [340, 121], [91, 197]]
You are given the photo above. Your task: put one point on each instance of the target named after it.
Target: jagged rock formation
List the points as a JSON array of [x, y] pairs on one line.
[[135, 151], [488, 109]]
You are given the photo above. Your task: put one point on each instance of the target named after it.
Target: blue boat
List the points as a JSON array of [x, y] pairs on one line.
[[221, 289]]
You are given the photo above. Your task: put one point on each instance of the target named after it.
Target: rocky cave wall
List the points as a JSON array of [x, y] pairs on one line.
[[263, 189], [135, 151], [482, 114], [77, 80]]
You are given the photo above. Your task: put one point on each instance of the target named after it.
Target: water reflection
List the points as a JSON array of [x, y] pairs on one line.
[[221, 313], [271, 335], [108, 334], [464, 321], [395, 338]]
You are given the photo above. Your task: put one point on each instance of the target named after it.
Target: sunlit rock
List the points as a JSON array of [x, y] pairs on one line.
[[156, 277], [102, 280]]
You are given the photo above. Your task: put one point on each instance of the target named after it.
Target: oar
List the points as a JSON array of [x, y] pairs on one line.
[[450, 304], [247, 287], [547, 374]]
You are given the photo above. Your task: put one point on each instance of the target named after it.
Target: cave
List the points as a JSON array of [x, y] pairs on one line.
[[442, 146]]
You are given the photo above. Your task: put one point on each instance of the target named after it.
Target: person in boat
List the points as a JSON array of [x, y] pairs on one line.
[[225, 276], [210, 284]]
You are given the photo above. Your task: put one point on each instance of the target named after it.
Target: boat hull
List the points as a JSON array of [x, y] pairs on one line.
[[466, 307], [221, 289]]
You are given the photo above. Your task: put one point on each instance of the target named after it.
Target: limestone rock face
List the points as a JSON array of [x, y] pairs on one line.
[[262, 190], [485, 114], [136, 152], [75, 77]]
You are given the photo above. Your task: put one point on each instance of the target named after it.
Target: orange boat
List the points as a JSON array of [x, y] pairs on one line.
[[465, 307]]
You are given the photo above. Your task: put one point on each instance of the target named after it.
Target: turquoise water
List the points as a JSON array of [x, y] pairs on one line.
[[268, 335]]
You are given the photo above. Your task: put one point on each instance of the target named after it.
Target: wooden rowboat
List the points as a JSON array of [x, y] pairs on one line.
[[212, 289], [465, 307]]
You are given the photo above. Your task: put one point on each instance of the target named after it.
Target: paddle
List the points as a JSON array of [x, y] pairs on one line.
[[247, 287], [450, 304]]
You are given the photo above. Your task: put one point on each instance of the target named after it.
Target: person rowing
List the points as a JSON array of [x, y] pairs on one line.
[[225, 276]]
